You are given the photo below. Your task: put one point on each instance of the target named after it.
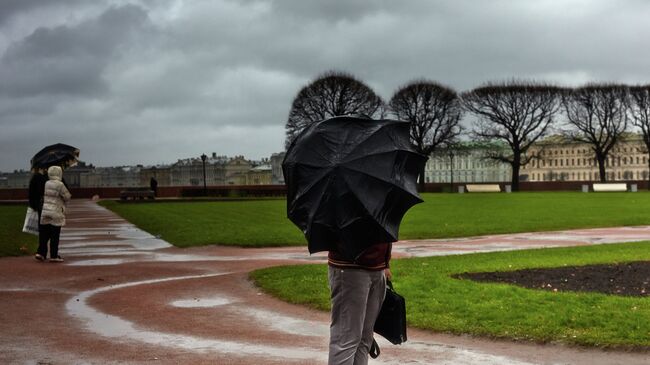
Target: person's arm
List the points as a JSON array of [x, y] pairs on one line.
[[65, 193], [387, 272]]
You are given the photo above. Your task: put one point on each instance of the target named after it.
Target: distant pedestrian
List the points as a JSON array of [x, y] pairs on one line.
[[55, 198], [153, 184], [36, 191]]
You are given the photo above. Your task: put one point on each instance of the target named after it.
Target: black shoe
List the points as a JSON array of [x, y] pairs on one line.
[[56, 259], [39, 257]]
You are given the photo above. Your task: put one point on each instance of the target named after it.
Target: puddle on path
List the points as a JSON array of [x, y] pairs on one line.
[[201, 302], [117, 328]]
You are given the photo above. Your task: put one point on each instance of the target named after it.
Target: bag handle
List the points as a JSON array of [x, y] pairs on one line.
[[389, 285], [374, 350]]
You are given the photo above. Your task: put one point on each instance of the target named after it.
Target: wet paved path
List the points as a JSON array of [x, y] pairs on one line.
[[124, 296]]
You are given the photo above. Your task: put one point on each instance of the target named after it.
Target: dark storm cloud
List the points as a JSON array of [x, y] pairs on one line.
[[191, 77], [68, 59], [10, 8]]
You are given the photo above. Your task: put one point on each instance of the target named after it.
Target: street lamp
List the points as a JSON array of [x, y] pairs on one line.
[[205, 188]]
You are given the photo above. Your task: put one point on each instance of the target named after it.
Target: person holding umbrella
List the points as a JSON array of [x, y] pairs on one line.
[[349, 183], [54, 155], [56, 195]]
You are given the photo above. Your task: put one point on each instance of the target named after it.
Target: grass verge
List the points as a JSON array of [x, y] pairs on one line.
[[251, 223], [13, 242], [437, 302], [264, 223]]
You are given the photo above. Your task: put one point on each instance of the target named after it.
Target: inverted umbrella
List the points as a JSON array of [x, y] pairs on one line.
[[350, 181], [55, 155]]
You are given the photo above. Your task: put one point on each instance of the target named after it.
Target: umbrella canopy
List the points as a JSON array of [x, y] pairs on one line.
[[55, 155], [350, 181]]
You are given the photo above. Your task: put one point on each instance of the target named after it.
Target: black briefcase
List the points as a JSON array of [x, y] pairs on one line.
[[391, 322]]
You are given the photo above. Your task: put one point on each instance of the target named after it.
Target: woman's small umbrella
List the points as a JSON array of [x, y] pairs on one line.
[[55, 155], [350, 181]]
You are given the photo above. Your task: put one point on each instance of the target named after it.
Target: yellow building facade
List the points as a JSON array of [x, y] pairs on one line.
[[559, 159]]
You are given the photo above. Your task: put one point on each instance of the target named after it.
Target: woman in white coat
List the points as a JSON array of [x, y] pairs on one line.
[[53, 214]]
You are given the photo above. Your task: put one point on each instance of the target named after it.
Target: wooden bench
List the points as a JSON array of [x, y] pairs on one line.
[[483, 188], [609, 187], [137, 193]]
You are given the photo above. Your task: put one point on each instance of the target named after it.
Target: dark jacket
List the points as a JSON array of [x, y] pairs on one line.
[[36, 191], [374, 258]]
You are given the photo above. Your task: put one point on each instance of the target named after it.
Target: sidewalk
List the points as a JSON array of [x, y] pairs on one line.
[[124, 296]]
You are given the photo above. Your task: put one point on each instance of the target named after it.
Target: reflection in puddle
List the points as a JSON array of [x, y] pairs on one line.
[[286, 324], [98, 262], [201, 302], [122, 330]]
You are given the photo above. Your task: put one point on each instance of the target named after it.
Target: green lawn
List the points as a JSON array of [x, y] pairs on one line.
[[437, 302], [13, 242], [247, 223], [264, 223]]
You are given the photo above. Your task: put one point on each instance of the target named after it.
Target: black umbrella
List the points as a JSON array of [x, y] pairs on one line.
[[350, 181], [55, 155]]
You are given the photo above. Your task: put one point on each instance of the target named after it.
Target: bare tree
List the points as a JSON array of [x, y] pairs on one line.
[[598, 115], [640, 111], [434, 112], [516, 113], [331, 94]]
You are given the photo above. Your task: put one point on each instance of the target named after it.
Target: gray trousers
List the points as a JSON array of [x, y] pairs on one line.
[[356, 297]]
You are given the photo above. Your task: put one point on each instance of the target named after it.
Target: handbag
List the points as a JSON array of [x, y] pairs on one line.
[[391, 321], [31, 222]]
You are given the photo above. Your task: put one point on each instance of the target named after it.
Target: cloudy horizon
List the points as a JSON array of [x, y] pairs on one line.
[[150, 82]]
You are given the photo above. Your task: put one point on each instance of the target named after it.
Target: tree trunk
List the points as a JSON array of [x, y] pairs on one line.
[[649, 169], [515, 177], [601, 168], [421, 182], [451, 176], [516, 166]]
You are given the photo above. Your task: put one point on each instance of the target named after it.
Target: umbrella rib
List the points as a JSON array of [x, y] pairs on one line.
[[382, 180], [381, 128], [310, 222], [345, 180], [311, 185], [381, 153]]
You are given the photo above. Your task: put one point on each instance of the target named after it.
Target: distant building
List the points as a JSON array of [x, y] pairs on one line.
[[467, 164], [557, 158], [77, 175], [161, 173], [219, 170], [276, 168], [18, 179], [189, 172], [260, 175], [236, 170]]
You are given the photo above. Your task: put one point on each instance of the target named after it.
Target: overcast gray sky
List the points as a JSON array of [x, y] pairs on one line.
[[151, 81]]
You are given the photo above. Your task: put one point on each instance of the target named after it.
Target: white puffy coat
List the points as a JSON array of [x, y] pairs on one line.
[[55, 198]]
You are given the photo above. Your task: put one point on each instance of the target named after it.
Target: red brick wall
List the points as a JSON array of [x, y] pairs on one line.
[[280, 190]]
